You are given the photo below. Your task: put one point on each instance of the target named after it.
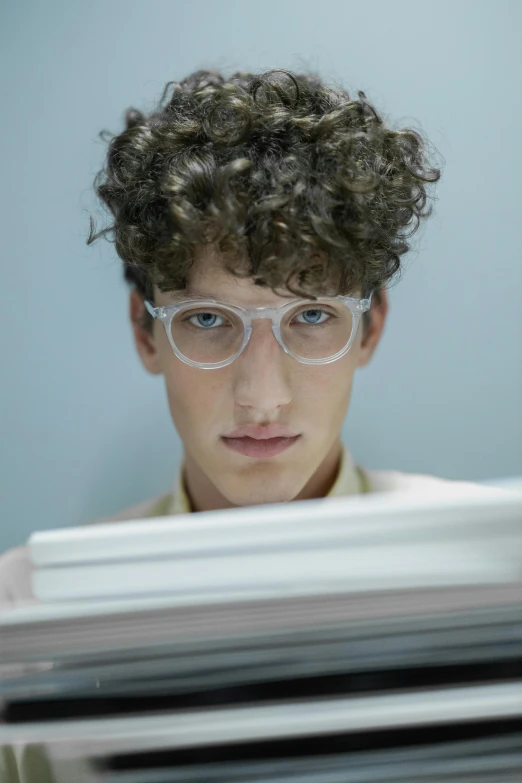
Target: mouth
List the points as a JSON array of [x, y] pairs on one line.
[[259, 448]]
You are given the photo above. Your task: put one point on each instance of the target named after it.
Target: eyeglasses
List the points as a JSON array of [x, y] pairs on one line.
[[210, 334]]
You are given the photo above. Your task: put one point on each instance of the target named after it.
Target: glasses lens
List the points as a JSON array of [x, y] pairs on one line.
[[317, 330], [207, 334]]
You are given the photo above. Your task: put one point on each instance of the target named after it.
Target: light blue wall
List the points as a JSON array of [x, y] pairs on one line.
[[84, 431]]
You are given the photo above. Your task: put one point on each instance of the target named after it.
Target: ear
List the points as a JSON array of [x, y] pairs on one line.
[[373, 330], [145, 340]]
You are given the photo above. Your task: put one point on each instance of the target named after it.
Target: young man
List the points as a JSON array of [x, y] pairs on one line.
[[259, 220]]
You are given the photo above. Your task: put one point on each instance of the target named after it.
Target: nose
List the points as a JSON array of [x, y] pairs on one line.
[[261, 381]]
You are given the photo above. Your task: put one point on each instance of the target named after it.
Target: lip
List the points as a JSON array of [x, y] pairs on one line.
[[259, 448], [262, 432]]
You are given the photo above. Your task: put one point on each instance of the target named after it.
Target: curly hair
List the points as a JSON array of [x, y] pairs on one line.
[[302, 188]]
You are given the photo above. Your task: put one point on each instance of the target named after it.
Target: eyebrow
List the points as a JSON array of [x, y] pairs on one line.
[[192, 296], [182, 296]]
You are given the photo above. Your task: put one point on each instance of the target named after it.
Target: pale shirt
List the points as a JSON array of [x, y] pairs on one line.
[[16, 567]]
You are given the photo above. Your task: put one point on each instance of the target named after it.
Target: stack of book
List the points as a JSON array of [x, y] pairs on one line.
[[342, 641]]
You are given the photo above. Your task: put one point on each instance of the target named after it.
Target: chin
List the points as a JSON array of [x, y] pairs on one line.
[[258, 493]]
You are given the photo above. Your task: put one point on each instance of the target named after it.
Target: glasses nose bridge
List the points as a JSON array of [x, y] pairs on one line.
[[265, 313], [272, 314]]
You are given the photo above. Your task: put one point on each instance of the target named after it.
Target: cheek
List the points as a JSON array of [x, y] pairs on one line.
[[327, 386], [187, 387], [329, 396], [192, 392], [322, 400]]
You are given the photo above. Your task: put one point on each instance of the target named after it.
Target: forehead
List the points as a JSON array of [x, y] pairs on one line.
[[208, 278]]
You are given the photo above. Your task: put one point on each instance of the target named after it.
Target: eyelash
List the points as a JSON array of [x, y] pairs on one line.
[[195, 315], [323, 312]]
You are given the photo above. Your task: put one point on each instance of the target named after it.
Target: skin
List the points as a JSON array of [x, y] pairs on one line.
[[263, 385]]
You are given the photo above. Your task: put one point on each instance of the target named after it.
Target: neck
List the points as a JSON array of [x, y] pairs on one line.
[[203, 495]]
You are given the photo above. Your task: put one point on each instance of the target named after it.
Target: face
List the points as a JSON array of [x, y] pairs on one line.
[[265, 428]]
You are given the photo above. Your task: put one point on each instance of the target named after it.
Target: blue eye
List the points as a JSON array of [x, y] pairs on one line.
[[313, 316], [206, 320]]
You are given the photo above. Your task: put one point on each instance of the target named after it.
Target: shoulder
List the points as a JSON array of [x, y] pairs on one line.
[[16, 568], [15, 577], [395, 481]]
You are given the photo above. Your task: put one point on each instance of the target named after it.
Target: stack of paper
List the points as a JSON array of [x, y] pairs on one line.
[[382, 541], [356, 640]]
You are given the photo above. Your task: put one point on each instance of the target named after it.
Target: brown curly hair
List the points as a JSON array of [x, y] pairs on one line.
[[301, 186]]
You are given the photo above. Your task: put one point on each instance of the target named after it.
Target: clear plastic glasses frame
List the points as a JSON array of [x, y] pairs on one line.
[[166, 313]]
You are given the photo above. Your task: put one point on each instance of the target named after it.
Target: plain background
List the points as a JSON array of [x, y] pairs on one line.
[[84, 431]]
